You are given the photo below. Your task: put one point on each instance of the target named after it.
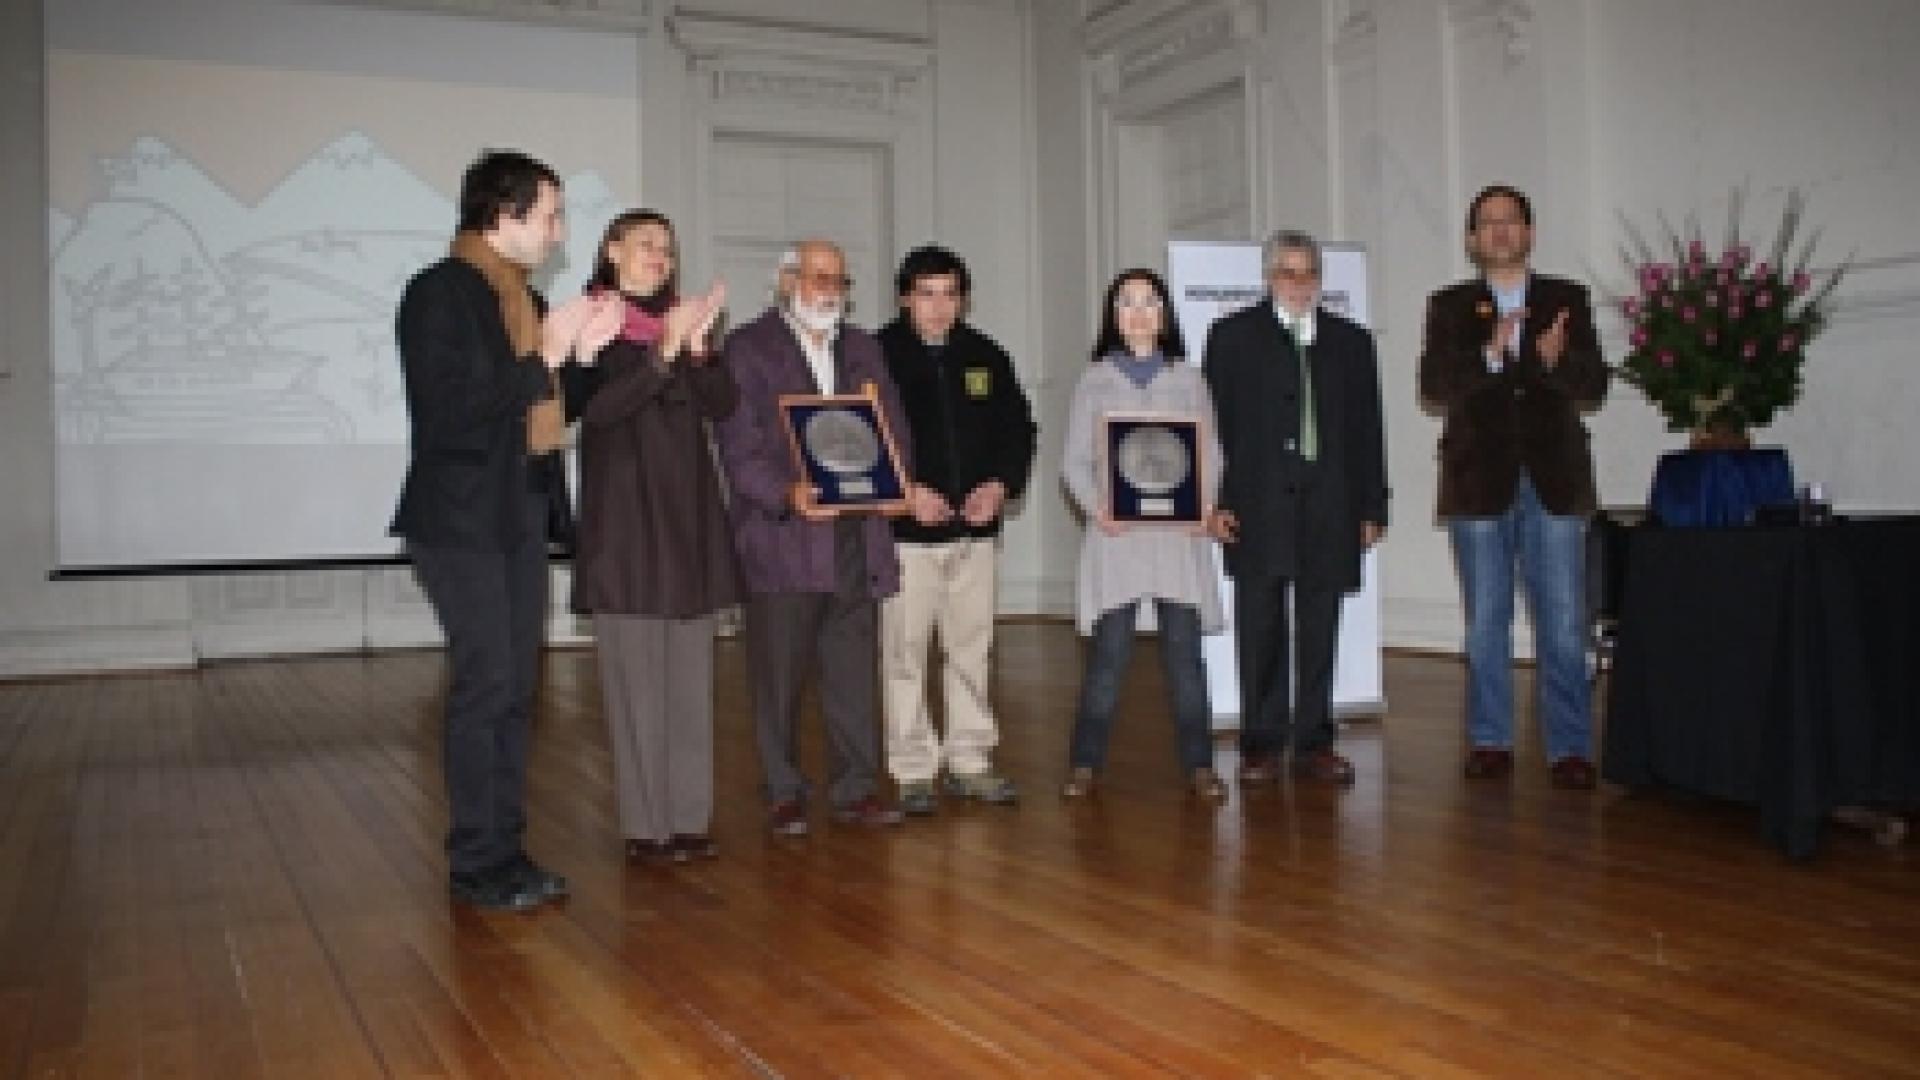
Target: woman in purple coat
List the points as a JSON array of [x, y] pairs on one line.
[[655, 561]]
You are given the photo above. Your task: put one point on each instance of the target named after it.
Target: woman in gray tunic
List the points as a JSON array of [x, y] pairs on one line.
[[1141, 577]]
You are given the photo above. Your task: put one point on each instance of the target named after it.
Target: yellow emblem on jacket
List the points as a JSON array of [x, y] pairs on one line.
[[979, 382]]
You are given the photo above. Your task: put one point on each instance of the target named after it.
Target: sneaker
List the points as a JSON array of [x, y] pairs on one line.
[[1206, 786], [869, 811], [498, 891], [918, 799], [649, 851], [788, 818], [983, 787], [687, 847], [532, 875], [1080, 783]]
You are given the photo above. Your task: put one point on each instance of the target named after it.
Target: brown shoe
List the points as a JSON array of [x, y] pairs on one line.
[[648, 851], [1323, 766], [1574, 773], [1206, 786], [1259, 768], [1487, 763]]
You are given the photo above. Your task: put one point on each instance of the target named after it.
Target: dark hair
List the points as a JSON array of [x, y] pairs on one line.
[[931, 260], [1109, 341], [501, 182], [1494, 191], [607, 276]]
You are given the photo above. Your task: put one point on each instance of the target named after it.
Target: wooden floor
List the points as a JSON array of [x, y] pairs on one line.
[[236, 872]]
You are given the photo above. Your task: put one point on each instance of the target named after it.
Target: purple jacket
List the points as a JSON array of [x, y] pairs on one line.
[[780, 551]]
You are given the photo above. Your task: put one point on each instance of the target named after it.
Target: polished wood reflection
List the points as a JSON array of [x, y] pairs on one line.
[[236, 872]]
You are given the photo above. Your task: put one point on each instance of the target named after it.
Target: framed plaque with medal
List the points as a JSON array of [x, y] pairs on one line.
[[844, 449], [1151, 468]]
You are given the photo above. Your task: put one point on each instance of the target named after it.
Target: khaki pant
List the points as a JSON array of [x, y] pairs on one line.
[[949, 587]]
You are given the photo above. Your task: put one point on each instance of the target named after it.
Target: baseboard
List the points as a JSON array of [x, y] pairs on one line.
[[93, 650]]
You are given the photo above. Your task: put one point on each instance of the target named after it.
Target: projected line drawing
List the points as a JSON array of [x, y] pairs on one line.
[[183, 315]]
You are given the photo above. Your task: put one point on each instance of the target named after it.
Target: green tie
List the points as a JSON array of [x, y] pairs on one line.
[[1309, 430]]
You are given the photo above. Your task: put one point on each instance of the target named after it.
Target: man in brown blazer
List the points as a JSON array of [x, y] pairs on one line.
[[1512, 359]]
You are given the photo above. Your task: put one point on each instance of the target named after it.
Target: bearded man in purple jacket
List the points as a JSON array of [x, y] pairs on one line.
[[814, 579]]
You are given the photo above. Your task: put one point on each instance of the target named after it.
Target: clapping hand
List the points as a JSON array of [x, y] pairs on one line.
[[689, 321], [560, 330], [602, 324], [1553, 340], [928, 506], [984, 502], [1503, 331]]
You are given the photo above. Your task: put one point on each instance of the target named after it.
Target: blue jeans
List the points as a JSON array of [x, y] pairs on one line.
[[1551, 551], [1185, 673]]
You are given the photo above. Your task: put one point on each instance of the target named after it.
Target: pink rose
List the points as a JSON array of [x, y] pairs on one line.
[[1712, 299], [1638, 337], [1696, 252], [1734, 311], [1666, 357], [1688, 314], [1802, 281], [1788, 342], [1741, 253], [1763, 299], [1666, 301], [1724, 279], [1750, 350]]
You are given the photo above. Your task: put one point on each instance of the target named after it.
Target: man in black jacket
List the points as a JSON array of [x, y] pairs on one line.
[[973, 439], [1296, 389], [481, 489]]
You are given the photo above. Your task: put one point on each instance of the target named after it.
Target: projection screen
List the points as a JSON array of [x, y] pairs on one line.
[[239, 190]]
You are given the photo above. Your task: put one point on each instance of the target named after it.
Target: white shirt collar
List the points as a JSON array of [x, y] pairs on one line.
[[819, 357], [1302, 328]]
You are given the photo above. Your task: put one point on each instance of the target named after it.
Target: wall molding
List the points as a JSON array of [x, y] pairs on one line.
[[632, 15]]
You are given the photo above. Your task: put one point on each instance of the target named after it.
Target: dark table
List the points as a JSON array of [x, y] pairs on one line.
[[1773, 665]]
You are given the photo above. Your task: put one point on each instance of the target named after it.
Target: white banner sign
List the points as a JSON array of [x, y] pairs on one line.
[[1209, 279]]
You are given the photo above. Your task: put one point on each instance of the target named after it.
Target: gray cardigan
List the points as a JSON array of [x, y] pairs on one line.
[[1152, 561]]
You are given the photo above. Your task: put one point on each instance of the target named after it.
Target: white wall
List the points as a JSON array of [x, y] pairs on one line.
[[937, 89], [1371, 120]]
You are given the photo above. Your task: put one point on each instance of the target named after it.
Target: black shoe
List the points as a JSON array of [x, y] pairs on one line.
[[497, 891], [549, 885]]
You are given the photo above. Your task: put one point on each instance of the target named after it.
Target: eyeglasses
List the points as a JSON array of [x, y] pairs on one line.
[[1137, 303], [829, 282]]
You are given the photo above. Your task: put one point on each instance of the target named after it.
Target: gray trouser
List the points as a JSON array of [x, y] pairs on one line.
[[656, 678], [786, 632]]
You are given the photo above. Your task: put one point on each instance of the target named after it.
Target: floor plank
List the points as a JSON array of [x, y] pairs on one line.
[[235, 872]]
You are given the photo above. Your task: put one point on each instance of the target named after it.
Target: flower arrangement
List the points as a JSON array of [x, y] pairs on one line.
[[1718, 341]]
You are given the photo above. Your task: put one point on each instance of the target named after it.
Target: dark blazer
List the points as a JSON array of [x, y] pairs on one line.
[[779, 550], [1297, 518], [467, 400], [1523, 416], [654, 537], [971, 421]]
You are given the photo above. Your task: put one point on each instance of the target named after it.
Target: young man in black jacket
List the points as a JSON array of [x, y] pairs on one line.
[[973, 437], [481, 492]]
